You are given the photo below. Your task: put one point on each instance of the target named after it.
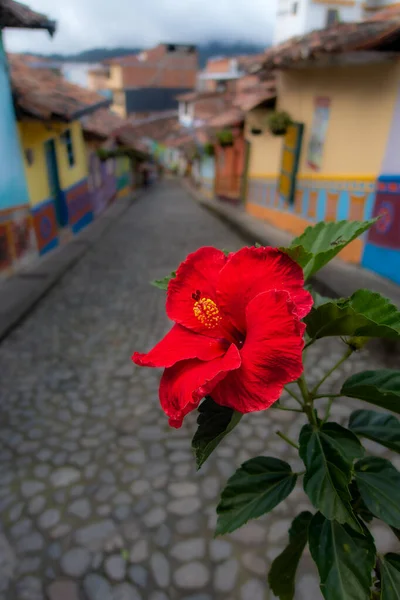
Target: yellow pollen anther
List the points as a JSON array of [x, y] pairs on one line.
[[206, 311]]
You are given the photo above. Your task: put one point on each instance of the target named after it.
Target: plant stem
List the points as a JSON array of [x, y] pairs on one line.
[[328, 410], [345, 356], [308, 401], [294, 396], [301, 382], [287, 440], [327, 396]]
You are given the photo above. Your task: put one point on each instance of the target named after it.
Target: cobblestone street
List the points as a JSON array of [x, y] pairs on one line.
[[99, 498]]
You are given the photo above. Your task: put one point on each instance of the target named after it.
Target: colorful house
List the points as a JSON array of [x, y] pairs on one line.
[[339, 159], [98, 128], [230, 156], [114, 156], [148, 81], [55, 160], [17, 239]]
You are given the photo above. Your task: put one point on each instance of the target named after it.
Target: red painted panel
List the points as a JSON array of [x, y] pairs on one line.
[[45, 225]]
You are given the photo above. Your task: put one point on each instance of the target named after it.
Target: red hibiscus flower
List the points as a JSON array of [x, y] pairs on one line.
[[237, 335]]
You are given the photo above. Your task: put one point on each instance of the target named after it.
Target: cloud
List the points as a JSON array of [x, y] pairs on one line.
[[84, 24]]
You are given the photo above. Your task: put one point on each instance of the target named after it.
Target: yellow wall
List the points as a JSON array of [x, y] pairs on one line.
[[115, 79], [33, 135], [362, 102], [266, 149], [119, 110]]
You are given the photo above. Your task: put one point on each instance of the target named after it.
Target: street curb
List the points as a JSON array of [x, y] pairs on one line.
[[21, 292]]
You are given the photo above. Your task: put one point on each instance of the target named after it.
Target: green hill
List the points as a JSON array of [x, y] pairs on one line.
[[206, 51]]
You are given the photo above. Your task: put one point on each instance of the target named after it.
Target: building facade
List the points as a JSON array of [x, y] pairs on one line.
[[148, 81], [17, 237], [338, 160]]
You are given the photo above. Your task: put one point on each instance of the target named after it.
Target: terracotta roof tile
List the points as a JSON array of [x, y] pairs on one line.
[[158, 128], [255, 93], [197, 95], [14, 14], [43, 94], [379, 33], [229, 118], [102, 123]]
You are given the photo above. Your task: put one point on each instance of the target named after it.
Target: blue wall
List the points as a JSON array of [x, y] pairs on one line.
[[13, 188]]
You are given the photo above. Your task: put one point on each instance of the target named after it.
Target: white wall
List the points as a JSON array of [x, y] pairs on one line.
[[186, 113], [287, 23], [309, 16], [317, 14]]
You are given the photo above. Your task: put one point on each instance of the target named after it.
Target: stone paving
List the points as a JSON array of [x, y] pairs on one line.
[[99, 499]]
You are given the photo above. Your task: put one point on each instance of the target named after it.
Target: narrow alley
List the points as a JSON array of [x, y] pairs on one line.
[[99, 499]]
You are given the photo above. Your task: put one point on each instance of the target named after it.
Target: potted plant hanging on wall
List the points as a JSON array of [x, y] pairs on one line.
[[208, 149], [225, 137], [278, 122]]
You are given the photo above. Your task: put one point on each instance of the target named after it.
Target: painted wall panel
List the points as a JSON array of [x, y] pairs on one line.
[[13, 188], [17, 238]]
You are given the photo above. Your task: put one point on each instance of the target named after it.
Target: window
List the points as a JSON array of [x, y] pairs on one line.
[[29, 156], [332, 17], [66, 139], [185, 108]]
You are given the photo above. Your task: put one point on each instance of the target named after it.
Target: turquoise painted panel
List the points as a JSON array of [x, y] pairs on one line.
[[207, 167], [343, 207], [384, 261], [321, 206], [13, 187]]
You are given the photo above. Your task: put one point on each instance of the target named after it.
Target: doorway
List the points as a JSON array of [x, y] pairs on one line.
[[56, 192]]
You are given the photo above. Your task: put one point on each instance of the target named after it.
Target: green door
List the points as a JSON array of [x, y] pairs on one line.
[[290, 162]]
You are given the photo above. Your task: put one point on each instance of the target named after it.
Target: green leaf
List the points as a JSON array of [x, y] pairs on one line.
[[214, 423], [255, 489], [319, 300], [381, 387], [358, 504], [322, 242], [396, 532], [378, 427], [281, 577], [344, 559], [364, 314], [390, 576], [379, 484], [298, 254], [162, 284], [328, 454]]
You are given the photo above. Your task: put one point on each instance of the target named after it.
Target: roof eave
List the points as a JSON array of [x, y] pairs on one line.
[[89, 109]]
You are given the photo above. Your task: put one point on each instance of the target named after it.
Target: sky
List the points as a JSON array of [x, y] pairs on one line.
[[85, 24]]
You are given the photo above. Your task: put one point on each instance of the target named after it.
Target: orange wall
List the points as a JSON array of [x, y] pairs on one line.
[[296, 225]]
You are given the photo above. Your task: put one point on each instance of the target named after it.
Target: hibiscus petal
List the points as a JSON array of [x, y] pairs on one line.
[[180, 344], [251, 271], [271, 355], [196, 279], [187, 382]]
